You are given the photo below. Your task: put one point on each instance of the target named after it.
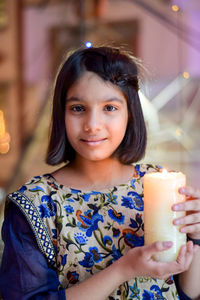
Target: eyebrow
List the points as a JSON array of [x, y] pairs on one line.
[[76, 99]]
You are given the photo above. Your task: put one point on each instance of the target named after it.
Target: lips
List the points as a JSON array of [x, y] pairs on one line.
[[93, 142]]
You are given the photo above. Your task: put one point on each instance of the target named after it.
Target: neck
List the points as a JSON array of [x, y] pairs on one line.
[[96, 169], [97, 173]]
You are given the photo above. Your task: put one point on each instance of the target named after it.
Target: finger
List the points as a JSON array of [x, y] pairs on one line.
[[183, 260], [181, 255], [189, 219], [157, 247], [190, 191], [174, 267], [192, 205], [196, 248], [185, 257], [189, 254], [181, 264], [195, 228]]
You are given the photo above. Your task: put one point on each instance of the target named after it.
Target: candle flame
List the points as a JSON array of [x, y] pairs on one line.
[[164, 171]]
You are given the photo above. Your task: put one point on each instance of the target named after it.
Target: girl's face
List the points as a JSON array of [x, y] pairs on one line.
[[96, 117]]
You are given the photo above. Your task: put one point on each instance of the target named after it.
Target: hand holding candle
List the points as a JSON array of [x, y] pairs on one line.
[[190, 224], [160, 193]]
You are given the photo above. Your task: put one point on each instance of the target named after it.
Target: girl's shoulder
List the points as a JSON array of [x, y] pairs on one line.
[[42, 183], [36, 187], [141, 169], [35, 201]]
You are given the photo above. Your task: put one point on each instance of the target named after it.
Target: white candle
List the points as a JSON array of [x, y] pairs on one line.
[[160, 193]]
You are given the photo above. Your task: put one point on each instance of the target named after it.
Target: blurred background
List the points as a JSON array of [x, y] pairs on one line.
[[35, 36]]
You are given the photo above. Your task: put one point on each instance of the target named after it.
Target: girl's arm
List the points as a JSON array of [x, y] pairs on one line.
[[137, 262], [24, 273], [34, 278], [189, 280]]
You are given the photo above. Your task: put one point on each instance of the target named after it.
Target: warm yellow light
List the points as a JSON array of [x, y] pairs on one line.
[[179, 132], [4, 148], [175, 7], [164, 172], [186, 75], [4, 136], [5, 143], [2, 124]]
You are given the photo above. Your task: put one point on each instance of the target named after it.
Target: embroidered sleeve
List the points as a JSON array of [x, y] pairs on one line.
[[24, 271], [40, 230]]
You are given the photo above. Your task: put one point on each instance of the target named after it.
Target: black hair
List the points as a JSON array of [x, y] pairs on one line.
[[111, 64]]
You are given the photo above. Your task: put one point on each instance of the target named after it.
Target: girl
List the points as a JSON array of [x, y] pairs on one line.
[[78, 233]]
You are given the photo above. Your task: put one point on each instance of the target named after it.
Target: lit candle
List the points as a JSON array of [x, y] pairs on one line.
[[2, 125], [4, 136], [160, 193], [5, 143]]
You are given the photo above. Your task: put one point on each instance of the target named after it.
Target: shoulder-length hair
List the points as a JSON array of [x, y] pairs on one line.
[[112, 65]]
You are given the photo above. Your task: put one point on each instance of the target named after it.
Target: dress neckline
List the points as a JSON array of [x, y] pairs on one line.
[[100, 191]]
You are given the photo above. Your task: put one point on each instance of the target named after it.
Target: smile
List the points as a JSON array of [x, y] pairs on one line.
[[93, 142]]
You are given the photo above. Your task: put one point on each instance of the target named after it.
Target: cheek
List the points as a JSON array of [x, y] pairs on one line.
[[119, 127], [123, 121], [124, 126]]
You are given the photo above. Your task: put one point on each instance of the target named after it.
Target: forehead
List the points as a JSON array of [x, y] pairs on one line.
[[90, 85]]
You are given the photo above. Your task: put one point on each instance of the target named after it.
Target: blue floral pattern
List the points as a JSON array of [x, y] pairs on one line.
[[90, 230]]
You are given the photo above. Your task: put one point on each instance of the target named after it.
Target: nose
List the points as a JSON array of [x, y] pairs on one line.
[[93, 122]]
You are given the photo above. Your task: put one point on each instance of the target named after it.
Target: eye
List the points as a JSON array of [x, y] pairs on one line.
[[110, 107], [77, 108]]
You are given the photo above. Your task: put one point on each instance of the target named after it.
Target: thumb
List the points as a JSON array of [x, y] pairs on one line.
[[157, 247]]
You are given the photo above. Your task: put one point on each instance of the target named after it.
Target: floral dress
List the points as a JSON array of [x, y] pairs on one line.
[[82, 232]]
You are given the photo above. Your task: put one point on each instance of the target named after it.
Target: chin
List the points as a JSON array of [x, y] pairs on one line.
[[95, 158]]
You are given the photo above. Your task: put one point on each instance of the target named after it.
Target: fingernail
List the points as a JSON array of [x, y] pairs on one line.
[[177, 222], [181, 190], [167, 244], [190, 243], [176, 207]]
